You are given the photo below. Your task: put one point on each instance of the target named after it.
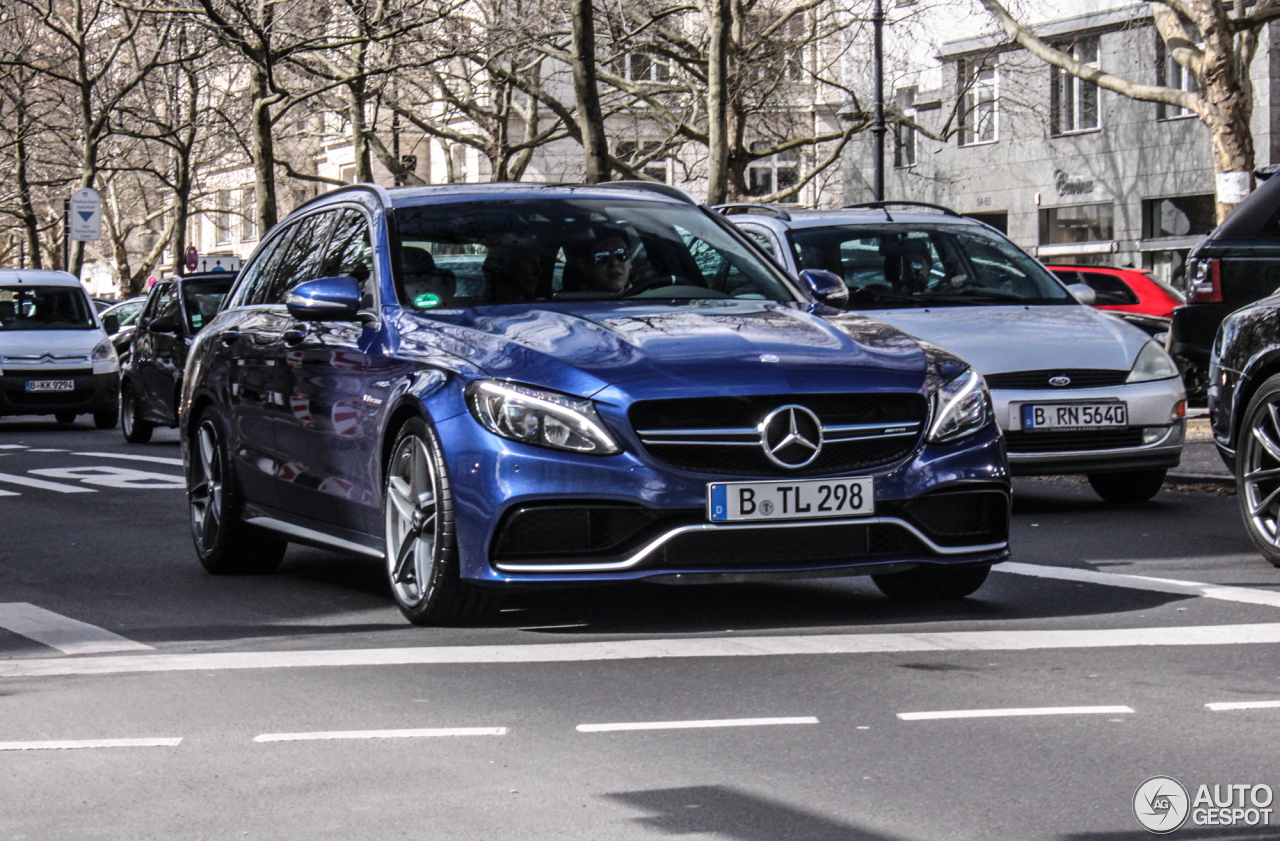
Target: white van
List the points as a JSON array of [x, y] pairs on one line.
[[55, 357]]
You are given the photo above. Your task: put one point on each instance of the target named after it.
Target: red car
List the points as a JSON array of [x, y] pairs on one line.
[[1124, 290]]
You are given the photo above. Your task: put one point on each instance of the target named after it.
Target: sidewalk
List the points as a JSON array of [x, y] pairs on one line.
[[1200, 459]]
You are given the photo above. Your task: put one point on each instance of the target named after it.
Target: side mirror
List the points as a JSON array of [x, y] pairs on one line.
[[111, 323], [826, 287], [1083, 293], [325, 299], [163, 324]]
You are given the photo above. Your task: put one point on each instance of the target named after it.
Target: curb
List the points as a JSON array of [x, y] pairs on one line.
[[1226, 481]]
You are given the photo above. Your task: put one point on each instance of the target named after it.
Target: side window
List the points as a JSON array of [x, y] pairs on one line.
[[1109, 289], [258, 274], [299, 258], [761, 239], [163, 302], [350, 252]]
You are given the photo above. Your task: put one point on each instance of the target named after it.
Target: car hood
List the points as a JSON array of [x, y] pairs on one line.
[[656, 349], [998, 339], [28, 342]]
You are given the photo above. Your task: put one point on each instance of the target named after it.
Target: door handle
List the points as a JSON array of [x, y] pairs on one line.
[[227, 338], [293, 336]]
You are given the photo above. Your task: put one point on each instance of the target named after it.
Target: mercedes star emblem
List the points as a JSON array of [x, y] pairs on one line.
[[791, 436]]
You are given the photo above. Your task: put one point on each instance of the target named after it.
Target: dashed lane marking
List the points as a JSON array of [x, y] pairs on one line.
[[27, 481], [646, 649], [46, 450], [9, 493], [693, 725], [77, 744], [1228, 706], [176, 462], [13, 446], [1012, 712], [70, 636], [1243, 595], [382, 734]]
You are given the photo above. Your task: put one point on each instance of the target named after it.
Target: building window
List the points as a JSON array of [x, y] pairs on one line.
[[347, 174], [1171, 74], [248, 215], [766, 176], [1179, 216], [645, 66], [904, 137], [980, 103], [782, 55], [1073, 103], [222, 217], [1082, 223], [634, 153]]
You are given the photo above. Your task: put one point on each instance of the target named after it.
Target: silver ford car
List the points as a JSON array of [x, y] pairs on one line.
[[1075, 389]]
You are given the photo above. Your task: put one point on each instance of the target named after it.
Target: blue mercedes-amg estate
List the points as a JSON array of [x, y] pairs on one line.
[[491, 386]]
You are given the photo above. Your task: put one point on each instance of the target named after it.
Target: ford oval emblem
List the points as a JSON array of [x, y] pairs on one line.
[[1059, 381], [769, 357]]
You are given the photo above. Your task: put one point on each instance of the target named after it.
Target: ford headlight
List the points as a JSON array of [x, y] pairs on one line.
[[961, 407], [540, 418], [105, 352], [1153, 363]]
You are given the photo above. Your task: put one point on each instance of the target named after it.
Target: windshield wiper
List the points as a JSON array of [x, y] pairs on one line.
[[878, 295], [977, 293]]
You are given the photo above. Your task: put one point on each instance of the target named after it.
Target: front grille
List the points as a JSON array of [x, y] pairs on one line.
[[48, 398], [1062, 442], [718, 435], [1080, 378]]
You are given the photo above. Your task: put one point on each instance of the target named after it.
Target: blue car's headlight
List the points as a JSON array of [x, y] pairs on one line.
[[961, 407], [541, 418]]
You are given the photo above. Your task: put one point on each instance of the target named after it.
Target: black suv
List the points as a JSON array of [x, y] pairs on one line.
[[1238, 264], [176, 309]]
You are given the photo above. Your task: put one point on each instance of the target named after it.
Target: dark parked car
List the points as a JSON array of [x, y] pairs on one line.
[[151, 380], [495, 386], [1244, 408], [1238, 264], [119, 321]]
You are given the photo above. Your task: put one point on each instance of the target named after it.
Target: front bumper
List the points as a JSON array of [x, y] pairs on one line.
[[1153, 440], [493, 480], [91, 393]]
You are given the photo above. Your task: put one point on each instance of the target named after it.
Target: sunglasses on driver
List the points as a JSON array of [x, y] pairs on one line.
[[619, 254]]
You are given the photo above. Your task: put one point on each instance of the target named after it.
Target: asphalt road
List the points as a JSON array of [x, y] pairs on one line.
[[301, 706]]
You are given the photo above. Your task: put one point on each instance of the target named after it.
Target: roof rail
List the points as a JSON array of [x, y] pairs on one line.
[[652, 187], [1262, 173], [752, 207], [882, 205], [377, 189]]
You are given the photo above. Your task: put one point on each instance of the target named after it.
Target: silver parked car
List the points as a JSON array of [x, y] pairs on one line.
[[1076, 390]]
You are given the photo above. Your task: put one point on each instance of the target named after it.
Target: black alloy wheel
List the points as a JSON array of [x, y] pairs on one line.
[[224, 543], [421, 537], [1258, 469], [136, 430]]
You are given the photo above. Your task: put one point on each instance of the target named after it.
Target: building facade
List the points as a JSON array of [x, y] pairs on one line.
[[1070, 172]]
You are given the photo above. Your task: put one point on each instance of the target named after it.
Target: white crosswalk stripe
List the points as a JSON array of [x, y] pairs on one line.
[[70, 636], [43, 484]]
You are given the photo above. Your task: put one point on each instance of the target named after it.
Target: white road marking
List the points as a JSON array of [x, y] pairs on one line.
[[692, 725], [646, 649], [1227, 706], [930, 716], [13, 446], [46, 450], [110, 476], [1243, 595], [70, 636], [77, 744], [382, 734], [176, 462], [9, 493], [27, 481]]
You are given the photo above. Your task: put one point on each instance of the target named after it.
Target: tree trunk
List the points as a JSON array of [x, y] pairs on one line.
[[590, 117], [718, 31], [1229, 109], [359, 131], [262, 147], [26, 209]]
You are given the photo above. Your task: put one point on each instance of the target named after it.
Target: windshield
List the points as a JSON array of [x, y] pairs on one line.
[[128, 312], [44, 308], [203, 299], [896, 266], [510, 252]]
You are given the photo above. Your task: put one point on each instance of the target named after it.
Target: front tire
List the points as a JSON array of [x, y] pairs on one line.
[[136, 430], [421, 537], [64, 417], [1257, 470], [106, 419], [933, 583], [1130, 486], [225, 545]]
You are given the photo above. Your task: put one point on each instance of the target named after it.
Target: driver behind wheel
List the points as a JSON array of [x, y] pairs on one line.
[[602, 262]]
